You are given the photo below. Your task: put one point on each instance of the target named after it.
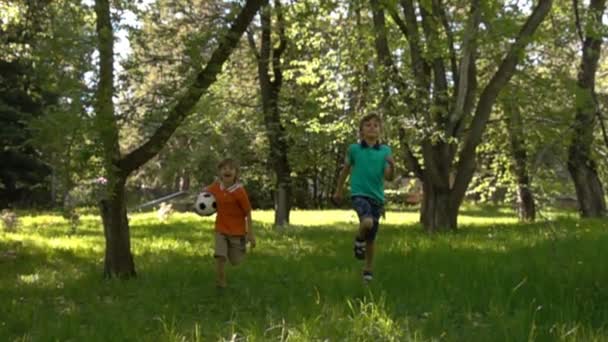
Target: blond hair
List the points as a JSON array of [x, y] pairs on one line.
[[231, 163]]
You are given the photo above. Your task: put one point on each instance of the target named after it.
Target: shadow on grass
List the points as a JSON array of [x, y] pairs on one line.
[[463, 286], [486, 211]]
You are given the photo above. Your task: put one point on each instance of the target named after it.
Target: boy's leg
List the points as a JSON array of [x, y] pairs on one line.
[[365, 226], [220, 262], [370, 243], [237, 247], [221, 254], [363, 207], [369, 255]]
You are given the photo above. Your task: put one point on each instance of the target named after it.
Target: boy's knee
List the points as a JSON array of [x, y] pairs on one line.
[[367, 223], [220, 259]]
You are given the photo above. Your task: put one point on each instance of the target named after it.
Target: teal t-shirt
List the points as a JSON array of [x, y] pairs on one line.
[[367, 170]]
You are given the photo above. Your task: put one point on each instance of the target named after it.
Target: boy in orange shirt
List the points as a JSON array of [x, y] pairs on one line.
[[233, 227]]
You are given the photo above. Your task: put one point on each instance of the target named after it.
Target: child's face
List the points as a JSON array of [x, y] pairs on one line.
[[228, 174], [371, 129]]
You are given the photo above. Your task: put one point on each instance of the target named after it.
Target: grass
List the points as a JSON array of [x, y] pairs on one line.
[[494, 280]]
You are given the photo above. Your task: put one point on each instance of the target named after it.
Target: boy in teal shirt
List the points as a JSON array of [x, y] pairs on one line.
[[368, 163]]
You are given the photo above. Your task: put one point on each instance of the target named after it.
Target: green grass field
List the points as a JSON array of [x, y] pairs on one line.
[[494, 280]]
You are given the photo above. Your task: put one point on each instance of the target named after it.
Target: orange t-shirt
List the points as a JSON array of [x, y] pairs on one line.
[[232, 208]]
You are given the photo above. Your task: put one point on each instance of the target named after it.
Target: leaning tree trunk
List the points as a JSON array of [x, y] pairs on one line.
[[589, 190], [582, 167], [526, 207], [118, 258]]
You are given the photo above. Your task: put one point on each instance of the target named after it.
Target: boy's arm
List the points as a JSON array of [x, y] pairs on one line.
[[389, 170], [243, 201], [249, 228], [341, 179], [207, 187]]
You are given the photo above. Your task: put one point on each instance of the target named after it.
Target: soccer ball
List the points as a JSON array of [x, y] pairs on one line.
[[205, 204]]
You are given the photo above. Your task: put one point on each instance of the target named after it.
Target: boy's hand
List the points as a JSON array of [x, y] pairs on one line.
[[389, 159], [337, 198], [251, 239], [389, 172]]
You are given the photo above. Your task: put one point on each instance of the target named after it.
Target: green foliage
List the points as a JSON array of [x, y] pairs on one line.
[[48, 94], [493, 281], [331, 79]]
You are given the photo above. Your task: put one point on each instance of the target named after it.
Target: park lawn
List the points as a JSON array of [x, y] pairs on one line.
[[494, 280]]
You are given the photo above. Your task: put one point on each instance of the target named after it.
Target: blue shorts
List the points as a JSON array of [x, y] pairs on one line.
[[367, 207]]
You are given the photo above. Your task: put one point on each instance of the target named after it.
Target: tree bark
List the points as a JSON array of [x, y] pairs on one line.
[[270, 92], [582, 167], [437, 213], [526, 207], [118, 258]]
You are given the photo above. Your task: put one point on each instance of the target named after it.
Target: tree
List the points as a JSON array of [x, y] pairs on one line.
[[23, 98], [526, 207], [270, 87], [581, 165], [443, 99], [118, 258]]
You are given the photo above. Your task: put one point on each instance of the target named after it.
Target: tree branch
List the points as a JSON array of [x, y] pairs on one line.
[[439, 9], [463, 88], [278, 52], [577, 21], [420, 68], [411, 161], [466, 165], [186, 102], [440, 84], [251, 41]]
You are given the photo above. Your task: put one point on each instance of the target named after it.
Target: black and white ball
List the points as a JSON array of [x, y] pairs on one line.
[[205, 204]]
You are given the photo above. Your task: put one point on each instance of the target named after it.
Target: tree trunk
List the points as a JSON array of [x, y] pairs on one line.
[[526, 208], [282, 169], [53, 187], [182, 181], [437, 212], [589, 190], [582, 167], [315, 188], [118, 258], [270, 90], [281, 210]]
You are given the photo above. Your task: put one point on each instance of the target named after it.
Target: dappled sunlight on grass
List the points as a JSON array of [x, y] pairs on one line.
[[464, 221], [492, 280], [41, 220], [308, 218], [338, 217]]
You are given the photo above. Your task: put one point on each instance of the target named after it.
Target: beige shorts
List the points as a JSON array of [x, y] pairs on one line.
[[231, 247]]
